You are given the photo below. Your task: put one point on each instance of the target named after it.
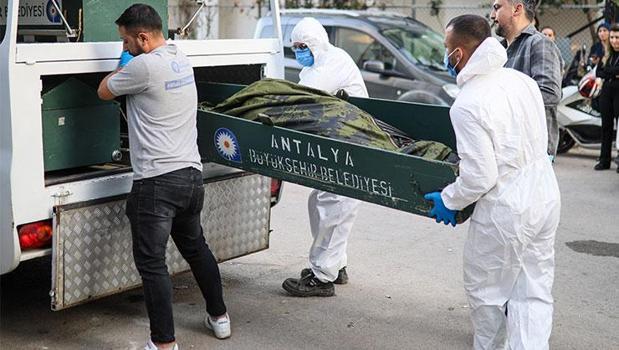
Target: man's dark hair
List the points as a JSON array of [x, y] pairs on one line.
[[548, 27], [140, 17], [469, 30], [529, 7]]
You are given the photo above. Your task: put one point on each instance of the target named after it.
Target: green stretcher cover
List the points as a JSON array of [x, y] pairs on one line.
[[292, 106], [283, 133]]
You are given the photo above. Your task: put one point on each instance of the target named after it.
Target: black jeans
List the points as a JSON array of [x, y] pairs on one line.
[[158, 207], [609, 108]]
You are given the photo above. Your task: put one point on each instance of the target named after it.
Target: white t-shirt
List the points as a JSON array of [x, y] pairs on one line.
[[161, 111]]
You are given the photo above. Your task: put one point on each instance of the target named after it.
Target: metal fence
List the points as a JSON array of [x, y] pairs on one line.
[[574, 25]]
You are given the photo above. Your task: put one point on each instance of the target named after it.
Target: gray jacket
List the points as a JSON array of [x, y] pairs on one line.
[[536, 56]]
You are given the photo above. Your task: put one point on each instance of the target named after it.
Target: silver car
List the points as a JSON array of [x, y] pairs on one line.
[[399, 57]]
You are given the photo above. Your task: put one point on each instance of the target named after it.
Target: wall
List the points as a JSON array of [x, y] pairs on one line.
[[206, 24], [234, 19], [238, 18], [563, 20]]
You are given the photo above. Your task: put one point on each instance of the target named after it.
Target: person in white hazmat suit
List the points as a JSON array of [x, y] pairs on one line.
[[331, 69], [500, 126]]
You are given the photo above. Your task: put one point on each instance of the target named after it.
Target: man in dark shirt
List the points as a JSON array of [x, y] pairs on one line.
[[530, 52]]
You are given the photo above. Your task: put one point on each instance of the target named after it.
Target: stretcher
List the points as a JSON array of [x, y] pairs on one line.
[[386, 178]]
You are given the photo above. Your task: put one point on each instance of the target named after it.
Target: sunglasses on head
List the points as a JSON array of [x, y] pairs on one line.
[[296, 47]]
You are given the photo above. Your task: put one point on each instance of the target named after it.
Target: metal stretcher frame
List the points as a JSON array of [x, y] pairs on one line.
[[372, 175]]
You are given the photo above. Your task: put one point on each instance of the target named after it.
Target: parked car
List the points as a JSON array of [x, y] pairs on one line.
[[400, 58]]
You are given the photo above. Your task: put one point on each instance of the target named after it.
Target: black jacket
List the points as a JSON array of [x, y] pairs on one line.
[[609, 71]]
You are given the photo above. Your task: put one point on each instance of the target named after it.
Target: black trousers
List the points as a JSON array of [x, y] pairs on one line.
[[609, 108], [158, 207]]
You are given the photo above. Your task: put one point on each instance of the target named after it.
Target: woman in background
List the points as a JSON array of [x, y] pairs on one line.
[[608, 75], [598, 49]]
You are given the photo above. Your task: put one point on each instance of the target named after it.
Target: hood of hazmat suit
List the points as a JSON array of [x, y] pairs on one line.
[[333, 69], [500, 127]]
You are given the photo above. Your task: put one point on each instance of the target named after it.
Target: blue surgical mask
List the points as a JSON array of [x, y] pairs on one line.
[[451, 69], [304, 57]]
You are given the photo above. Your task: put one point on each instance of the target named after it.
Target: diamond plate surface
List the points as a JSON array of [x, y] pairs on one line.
[[92, 252]]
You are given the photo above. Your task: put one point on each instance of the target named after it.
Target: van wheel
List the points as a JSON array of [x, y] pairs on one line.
[[418, 96], [566, 142]]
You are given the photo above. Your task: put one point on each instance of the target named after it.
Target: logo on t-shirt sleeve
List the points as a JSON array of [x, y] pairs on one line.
[[181, 67], [227, 145]]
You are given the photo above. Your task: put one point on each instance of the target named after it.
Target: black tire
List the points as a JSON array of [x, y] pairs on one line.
[[566, 142]]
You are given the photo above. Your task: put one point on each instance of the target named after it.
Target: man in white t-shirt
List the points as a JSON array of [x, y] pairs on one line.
[[167, 193]]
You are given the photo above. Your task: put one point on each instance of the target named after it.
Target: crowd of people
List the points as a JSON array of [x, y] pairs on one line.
[[603, 61], [605, 56]]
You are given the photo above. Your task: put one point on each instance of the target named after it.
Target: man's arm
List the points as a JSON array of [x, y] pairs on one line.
[[103, 91], [478, 168], [546, 70], [128, 80]]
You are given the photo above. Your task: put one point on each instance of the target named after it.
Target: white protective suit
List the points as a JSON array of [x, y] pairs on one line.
[[500, 127], [331, 216]]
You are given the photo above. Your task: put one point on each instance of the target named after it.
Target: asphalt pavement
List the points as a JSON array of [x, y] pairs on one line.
[[405, 289]]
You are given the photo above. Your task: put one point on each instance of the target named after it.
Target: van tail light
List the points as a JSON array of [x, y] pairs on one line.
[[35, 235], [276, 188]]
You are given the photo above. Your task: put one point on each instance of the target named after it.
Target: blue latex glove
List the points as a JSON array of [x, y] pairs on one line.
[[440, 211], [125, 57]]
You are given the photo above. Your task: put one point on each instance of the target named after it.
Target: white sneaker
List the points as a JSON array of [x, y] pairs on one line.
[[221, 326], [151, 346]]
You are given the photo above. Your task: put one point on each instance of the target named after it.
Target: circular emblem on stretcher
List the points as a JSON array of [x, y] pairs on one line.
[[227, 145]]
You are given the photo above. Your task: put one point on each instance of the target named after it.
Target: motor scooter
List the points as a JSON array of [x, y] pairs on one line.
[[580, 123]]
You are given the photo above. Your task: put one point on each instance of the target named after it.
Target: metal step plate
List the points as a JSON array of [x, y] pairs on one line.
[[92, 254]]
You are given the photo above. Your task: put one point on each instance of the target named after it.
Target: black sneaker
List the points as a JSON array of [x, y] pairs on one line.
[[342, 276], [308, 286], [602, 166]]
